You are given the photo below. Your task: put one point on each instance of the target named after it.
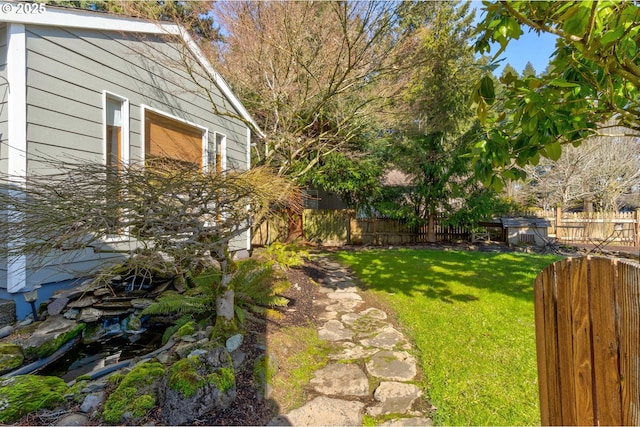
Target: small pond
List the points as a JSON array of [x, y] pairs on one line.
[[111, 349]]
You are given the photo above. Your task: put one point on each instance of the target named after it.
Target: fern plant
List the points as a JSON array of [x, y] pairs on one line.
[[257, 288], [256, 285], [287, 255]]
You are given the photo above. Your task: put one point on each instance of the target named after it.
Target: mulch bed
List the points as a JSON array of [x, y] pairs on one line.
[[247, 409]]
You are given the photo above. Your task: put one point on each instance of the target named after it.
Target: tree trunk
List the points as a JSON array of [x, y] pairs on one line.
[[224, 306], [431, 229], [294, 221], [225, 302]]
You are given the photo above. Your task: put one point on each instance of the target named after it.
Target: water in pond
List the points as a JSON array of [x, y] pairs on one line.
[[86, 358]]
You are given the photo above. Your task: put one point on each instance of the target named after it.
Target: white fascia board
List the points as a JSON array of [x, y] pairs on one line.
[[73, 18]]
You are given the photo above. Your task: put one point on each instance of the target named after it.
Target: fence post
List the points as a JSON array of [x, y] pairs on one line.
[[349, 227], [558, 221], [636, 228]]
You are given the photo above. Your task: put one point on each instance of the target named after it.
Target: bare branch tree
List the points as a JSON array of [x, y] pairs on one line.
[[312, 72], [603, 169], [165, 207]]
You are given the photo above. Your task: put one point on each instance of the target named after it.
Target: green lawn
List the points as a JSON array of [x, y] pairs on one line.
[[471, 316]]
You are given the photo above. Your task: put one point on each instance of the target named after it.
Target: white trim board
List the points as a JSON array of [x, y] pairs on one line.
[[17, 138]]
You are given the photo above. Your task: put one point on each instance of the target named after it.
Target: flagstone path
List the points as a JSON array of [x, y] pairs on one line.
[[371, 372]]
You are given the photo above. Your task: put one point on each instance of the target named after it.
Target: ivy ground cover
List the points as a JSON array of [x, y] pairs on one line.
[[471, 316]]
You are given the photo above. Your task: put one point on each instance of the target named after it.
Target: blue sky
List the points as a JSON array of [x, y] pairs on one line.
[[528, 48]]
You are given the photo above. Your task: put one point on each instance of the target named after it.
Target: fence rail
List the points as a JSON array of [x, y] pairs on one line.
[[587, 317]]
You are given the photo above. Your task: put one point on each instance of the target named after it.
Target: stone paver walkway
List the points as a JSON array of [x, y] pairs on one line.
[[372, 370]]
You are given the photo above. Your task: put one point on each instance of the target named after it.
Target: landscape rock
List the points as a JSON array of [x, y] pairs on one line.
[[50, 335], [324, 411], [94, 386], [197, 385], [56, 306], [11, 357], [408, 422], [234, 342], [392, 365], [334, 330], [141, 303], [93, 333], [389, 339], [5, 331], [264, 368], [351, 351], [71, 314], [92, 402], [82, 302], [344, 305], [341, 379], [394, 398], [352, 296], [90, 314], [73, 420], [7, 312]]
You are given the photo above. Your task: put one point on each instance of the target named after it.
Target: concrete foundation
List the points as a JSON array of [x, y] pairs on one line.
[[7, 312]]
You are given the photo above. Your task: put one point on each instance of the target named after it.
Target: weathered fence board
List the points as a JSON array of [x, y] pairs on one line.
[[587, 314], [629, 300]]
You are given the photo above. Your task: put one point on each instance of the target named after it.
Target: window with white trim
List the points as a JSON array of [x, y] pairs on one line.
[[217, 152], [116, 130], [168, 137]]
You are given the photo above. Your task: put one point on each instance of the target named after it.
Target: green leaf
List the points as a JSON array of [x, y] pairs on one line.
[[553, 150], [559, 82], [487, 90], [611, 36], [577, 23]]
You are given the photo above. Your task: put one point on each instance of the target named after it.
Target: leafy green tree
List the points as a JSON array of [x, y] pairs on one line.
[[509, 69], [356, 180], [436, 129], [594, 75]]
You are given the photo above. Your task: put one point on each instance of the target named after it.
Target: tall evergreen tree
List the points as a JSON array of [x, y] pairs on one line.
[[528, 70]]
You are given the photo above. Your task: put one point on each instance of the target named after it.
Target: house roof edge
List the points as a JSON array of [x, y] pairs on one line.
[[85, 19]]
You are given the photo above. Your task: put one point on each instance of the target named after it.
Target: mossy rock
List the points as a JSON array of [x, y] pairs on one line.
[[197, 385], [136, 394], [23, 394], [187, 329], [50, 336], [265, 368], [11, 357]]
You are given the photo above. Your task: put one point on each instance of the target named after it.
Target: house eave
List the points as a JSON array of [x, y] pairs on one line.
[[83, 19]]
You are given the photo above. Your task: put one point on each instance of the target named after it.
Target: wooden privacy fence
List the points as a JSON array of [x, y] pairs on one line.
[[341, 227], [587, 316], [621, 228]]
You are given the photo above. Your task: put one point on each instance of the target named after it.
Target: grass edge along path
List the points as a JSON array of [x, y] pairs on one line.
[[471, 316]]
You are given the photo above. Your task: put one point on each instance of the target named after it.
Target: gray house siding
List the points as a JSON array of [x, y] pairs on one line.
[[68, 71]]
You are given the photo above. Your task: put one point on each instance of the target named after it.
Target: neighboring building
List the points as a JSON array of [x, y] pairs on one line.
[[91, 86]]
